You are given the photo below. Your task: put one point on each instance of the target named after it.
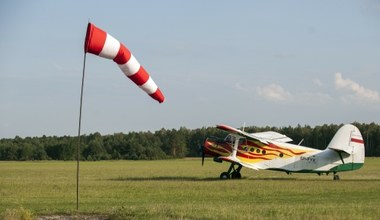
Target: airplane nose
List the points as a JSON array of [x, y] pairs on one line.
[[205, 149]]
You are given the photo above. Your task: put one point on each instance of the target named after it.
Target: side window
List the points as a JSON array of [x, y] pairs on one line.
[[243, 141], [243, 144]]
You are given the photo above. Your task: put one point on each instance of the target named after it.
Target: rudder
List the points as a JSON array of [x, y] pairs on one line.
[[349, 140]]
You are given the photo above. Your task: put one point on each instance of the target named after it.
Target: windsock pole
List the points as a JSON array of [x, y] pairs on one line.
[[79, 127]]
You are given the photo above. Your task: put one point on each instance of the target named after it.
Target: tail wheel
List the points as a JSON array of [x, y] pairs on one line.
[[336, 177], [224, 176]]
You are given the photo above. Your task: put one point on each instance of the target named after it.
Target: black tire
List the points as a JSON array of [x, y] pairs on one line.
[[235, 175], [224, 176]]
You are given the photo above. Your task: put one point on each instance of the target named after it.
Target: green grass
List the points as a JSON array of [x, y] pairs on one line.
[[183, 189]]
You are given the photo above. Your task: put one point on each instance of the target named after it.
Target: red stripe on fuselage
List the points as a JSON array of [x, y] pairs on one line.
[[357, 140]]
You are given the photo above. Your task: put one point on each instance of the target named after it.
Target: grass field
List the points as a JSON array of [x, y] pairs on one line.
[[183, 189]]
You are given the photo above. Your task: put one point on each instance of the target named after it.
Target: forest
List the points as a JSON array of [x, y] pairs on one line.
[[162, 144]]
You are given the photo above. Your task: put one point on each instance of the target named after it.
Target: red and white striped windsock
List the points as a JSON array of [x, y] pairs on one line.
[[100, 43]]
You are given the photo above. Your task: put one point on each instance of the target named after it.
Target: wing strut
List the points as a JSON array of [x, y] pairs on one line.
[[235, 147]]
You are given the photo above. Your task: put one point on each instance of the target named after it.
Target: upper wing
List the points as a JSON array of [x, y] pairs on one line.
[[263, 137], [273, 136]]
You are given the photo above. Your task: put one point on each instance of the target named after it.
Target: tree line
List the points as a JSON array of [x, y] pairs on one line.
[[162, 144]]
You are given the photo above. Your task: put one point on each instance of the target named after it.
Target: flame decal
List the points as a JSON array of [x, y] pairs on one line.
[[252, 151]]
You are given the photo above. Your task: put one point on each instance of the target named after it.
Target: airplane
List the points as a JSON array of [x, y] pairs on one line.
[[272, 151]]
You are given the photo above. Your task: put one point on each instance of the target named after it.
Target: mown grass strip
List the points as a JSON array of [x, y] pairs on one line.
[[183, 189]]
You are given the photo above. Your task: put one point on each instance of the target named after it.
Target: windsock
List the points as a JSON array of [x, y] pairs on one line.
[[100, 43]]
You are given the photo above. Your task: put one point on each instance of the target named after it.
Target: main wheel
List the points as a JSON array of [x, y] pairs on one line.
[[224, 176], [336, 177], [235, 175]]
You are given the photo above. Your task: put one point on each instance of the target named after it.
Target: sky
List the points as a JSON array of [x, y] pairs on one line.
[[258, 63]]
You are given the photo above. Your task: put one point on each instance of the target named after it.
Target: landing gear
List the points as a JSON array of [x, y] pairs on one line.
[[336, 177], [224, 176], [233, 173]]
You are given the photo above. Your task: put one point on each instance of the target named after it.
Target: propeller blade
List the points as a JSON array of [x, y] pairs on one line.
[[202, 152], [203, 155]]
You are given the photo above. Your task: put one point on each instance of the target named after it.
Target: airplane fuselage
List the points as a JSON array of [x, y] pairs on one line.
[[281, 156]]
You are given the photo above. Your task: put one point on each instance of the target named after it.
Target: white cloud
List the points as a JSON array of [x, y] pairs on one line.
[[358, 92], [274, 92], [318, 82], [240, 87]]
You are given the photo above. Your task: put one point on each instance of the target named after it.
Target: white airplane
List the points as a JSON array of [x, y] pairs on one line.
[[271, 151]]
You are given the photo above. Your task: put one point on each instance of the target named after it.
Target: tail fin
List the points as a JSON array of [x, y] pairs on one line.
[[348, 139]]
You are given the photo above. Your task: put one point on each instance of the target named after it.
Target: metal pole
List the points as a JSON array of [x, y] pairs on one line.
[[79, 128]]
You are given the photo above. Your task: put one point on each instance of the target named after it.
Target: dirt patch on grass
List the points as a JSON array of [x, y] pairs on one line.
[[73, 217]]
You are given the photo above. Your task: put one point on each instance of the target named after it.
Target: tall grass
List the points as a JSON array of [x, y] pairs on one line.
[[183, 189], [17, 214]]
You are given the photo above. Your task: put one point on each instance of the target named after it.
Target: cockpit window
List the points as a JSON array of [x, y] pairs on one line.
[[229, 139]]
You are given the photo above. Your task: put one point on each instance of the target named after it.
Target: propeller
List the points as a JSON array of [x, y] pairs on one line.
[[202, 152]]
